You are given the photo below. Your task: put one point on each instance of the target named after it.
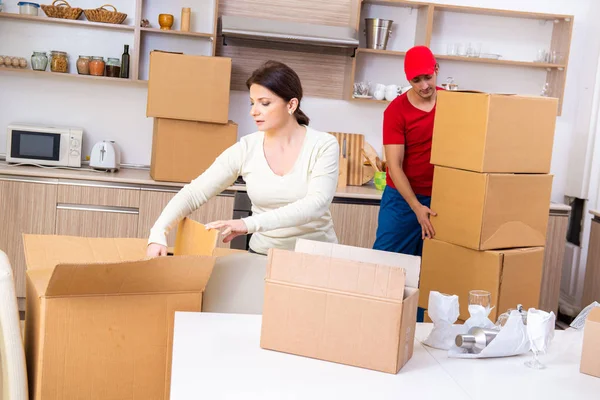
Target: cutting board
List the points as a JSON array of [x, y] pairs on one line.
[[355, 159]]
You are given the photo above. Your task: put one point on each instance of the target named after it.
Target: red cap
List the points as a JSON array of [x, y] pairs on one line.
[[419, 61]]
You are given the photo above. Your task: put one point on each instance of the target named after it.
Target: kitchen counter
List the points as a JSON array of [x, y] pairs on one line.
[[139, 176], [595, 213]]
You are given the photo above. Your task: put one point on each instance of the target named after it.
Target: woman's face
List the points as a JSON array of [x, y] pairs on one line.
[[268, 110]]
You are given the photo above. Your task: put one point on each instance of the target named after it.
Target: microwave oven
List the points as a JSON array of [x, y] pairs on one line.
[[44, 145]]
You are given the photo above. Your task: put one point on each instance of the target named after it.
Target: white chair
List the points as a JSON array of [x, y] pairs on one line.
[[13, 373]]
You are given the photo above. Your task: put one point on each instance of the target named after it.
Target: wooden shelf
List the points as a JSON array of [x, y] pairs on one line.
[[499, 13], [382, 52], [179, 33], [499, 62], [397, 3], [27, 71], [372, 101], [61, 21]]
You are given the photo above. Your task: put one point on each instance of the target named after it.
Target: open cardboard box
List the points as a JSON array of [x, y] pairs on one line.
[[590, 353], [319, 303], [99, 320]]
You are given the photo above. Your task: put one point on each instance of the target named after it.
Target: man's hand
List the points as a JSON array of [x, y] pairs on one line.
[[423, 212], [230, 229]]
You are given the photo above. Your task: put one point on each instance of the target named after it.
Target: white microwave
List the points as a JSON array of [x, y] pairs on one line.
[[44, 145]]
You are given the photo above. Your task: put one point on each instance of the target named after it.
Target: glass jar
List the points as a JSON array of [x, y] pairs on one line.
[[59, 61], [83, 65], [97, 66], [113, 68]]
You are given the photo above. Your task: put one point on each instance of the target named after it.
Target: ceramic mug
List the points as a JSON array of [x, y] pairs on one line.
[[391, 92], [379, 87], [379, 94]]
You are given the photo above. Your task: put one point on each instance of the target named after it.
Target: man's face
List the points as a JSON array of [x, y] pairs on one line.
[[424, 85]]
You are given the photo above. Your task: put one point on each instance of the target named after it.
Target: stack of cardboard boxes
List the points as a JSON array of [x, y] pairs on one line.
[[491, 193], [189, 98]]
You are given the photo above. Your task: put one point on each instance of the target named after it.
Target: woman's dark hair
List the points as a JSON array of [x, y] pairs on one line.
[[281, 80]]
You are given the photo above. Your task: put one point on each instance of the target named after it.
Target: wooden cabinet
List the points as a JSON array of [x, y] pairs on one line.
[[26, 206], [556, 238], [591, 287], [152, 202], [355, 224], [97, 210]]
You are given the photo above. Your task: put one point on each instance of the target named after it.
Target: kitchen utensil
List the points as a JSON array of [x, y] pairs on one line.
[[371, 161], [26, 8], [354, 145], [61, 9], [378, 32], [343, 174], [105, 156], [102, 14], [476, 340], [165, 21]]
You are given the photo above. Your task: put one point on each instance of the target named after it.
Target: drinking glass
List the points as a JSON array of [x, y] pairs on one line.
[[480, 297]]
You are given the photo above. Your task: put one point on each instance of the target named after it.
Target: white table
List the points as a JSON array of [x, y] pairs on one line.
[[217, 356]]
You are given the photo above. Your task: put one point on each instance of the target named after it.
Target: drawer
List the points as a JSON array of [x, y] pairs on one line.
[[98, 194]]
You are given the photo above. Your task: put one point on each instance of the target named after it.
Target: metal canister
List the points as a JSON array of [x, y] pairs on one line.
[[378, 32]]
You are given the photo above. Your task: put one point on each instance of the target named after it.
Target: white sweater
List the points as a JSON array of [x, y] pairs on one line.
[[284, 208]]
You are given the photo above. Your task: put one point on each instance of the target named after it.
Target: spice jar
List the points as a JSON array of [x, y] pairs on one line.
[[113, 68], [83, 65], [97, 66], [39, 61], [59, 61]]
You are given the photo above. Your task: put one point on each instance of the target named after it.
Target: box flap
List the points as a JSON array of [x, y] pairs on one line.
[[47, 251], [194, 239], [594, 315], [156, 275], [348, 276], [411, 264]]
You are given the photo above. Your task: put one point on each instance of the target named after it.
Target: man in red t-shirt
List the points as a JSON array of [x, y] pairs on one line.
[[407, 131]]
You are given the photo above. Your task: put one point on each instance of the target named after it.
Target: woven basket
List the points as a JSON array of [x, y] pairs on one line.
[[106, 16], [61, 9]]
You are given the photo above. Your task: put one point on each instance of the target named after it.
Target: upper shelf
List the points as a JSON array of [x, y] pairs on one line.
[[62, 21], [180, 33], [28, 71]]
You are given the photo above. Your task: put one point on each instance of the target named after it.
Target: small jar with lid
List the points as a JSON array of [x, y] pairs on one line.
[[97, 66], [113, 68], [83, 65], [59, 61]]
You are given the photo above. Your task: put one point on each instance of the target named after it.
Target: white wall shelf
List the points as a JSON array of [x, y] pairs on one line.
[[62, 21]]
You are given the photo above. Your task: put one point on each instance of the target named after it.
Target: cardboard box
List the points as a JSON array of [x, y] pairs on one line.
[[182, 150], [590, 353], [511, 276], [490, 211], [494, 133], [339, 310], [99, 321], [192, 88]]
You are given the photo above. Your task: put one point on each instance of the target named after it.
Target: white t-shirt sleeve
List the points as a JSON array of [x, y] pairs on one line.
[[321, 190], [221, 174]]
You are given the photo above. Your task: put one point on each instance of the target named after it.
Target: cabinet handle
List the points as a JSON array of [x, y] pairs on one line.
[[98, 184], [78, 207]]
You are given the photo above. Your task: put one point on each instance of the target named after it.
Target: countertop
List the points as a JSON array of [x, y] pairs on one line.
[[140, 176], [595, 213]]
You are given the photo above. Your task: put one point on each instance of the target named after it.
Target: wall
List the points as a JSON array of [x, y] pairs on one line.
[[112, 111]]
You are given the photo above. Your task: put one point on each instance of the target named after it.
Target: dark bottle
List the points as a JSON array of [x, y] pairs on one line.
[[125, 63]]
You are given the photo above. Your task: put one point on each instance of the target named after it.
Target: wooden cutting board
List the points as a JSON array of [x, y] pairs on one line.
[[354, 146]]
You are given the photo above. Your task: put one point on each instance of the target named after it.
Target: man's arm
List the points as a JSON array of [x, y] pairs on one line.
[[395, 157]]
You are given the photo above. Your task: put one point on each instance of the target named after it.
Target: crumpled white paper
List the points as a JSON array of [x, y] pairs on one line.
[[479, 317], [540, 328], [511, 340], [579, 321], [443, 310]]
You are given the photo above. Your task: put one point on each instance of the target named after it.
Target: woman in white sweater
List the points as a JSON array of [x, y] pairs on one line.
[[290, 170]]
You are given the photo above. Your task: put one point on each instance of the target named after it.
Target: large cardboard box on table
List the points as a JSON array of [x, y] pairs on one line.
[[187, 87], [327, 306], [512, 276], [490, 211], [590, 353], [99, 320], [494, 133], [182, 150]]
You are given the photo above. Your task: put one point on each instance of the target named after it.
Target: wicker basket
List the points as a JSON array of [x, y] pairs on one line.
[[106, 16], [61, 9]]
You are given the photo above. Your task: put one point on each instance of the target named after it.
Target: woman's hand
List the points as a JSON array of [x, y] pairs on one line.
[[230, 229], [423, 212], [156, 250]]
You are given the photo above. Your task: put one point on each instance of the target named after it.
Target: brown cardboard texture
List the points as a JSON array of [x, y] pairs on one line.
[[493, 132], [590, 353], [490, 211], [182, 150], [338, 310], [191, 88], [99, 320], [511, 276]]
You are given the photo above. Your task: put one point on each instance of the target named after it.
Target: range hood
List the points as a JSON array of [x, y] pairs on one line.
[[288, 32]]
